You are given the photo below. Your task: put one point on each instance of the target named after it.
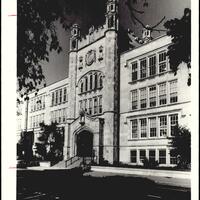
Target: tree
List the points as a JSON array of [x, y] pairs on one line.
[[181, 145], [51, 146], [180, 49]]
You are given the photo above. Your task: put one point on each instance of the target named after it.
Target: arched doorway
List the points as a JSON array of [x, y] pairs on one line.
[[84, 144]]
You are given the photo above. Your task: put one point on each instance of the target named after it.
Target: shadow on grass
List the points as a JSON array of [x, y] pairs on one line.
[[73, 184]]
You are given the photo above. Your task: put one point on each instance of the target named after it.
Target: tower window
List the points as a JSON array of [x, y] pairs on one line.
[[73, 44], [111, 22]]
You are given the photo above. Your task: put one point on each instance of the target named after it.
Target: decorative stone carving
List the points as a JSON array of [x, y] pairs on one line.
[[90, 57]]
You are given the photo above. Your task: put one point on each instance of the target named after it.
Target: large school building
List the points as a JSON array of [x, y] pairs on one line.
[[118, 107]]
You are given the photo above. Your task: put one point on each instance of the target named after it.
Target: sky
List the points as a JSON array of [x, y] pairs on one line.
[[57, 67]]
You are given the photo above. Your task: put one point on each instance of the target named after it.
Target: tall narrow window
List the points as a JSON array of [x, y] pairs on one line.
[[163, 126], [86, 84], [143, 98], [152, 155], [63, 114], [52, 99], [162, 94], [60, 116], [80, 105], [56, 97], [95, 81], [152, 123], [60, 95], [90, 107], [133, 156], [134, 128], [100, 104], [152, 96], [95, 105], [85, 105], [143, 127], [81, 87], [162, 156], [143, 68], [142, 155], [65, 94], [134, 71], [134, 99], [173, 91], [91, 81], [162, 62], [43, 102], [101, 81], [173, 123], [152, 65], [173, 159]]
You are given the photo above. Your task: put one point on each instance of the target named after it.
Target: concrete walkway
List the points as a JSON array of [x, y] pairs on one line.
[[144, 172]]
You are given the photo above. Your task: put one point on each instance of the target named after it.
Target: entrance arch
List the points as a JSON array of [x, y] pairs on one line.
[[84, 142]]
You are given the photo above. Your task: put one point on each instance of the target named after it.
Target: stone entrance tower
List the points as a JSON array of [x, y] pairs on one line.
[[94, 86]]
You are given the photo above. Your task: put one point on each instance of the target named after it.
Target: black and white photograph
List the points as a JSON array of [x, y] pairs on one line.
[[100, 99]]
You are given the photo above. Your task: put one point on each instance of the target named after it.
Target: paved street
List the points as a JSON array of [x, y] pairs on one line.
[[62, 185]]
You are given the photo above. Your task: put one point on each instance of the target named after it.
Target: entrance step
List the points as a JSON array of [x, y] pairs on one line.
[[60, 164]]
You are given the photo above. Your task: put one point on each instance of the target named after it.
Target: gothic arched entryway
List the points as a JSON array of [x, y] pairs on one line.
[[84, 143]]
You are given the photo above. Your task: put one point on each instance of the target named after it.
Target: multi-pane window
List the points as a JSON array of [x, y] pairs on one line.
[[86, 84], [101, 81], [173, 91], [134, 128], [133, 156], [142, 155], [143, 68], [90, 107], [60, 96], [162, 156], [152, 65], [163, 126], [152, 124], [173, 159], [56, 101], [173, 123], [134, 99], [143, 98], [162, 94], [95, 105], [65, 94], [134, 71], [152, 96], [95, 81], [162, 62], [100, 104], [143, 127], [152, 155]]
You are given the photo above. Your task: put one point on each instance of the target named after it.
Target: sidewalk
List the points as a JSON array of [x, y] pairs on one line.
[[144, 172]]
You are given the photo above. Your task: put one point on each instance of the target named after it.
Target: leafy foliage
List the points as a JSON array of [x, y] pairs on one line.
[[181, 144], [180, 49]]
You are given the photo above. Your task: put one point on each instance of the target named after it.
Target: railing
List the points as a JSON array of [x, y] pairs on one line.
[[71, 160]]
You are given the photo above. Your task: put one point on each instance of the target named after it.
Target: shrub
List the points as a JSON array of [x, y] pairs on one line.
[[151, 164]]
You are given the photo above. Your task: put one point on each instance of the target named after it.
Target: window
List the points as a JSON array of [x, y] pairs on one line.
[[133, 156], [43, 102], [134, 71], [143, 98], [152, 96], [100, 104], [90, 107], [143, 68], [134, 128], [65, 94], [91, 80], [60, 95], [52, 99], [173, 123], [95, 105], [162, 156], [31, 105], [162, 62], [86, 84], [163, 126], [134, 98], [81, 87], [34, 108], [85, 105], [173, 159], [142, 155], [162, 94], [143, 127], [63, 114], [60, 116], [101, 81], [80, 105], [95, 81], [152, 155], [173, 91], [152, 65], [152, 122], [56, 97]]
